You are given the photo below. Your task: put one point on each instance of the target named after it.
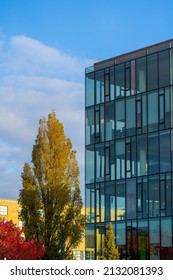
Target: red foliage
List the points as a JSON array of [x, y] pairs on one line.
[[14, 247]]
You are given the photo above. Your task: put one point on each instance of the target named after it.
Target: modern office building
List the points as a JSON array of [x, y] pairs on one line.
[[129, 153]]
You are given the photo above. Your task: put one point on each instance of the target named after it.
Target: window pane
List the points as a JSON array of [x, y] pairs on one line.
[[130, 117], [90, 90], [120, 159], [165, 160], [141, 75], [99, 80], [110, 202], [164, 68], [89, 126], [119, 80], [120, 200], [90, 165], [99, 163], [120, 119], [153, 153], [131, 199], [154, 234], [109, 121], [152, 78], [153, 111], [142, 155]]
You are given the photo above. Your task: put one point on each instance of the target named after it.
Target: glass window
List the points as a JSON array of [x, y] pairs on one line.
[[154, 237], [102, 123], [90, 204], [90, 126], [99, 162], [120, 159], [109, 121], [141, 75], [112, 160], [161, 109], [120, 233], [133, 77], [166, 238], [164, 68], [153, 111], [110, 201], [130, 116], [127, 81], [120, 119], [120, 200], [112, 83], [4, 210], [168, 195], [142, 167], [171, 67], [143, 240], [167, 107], [165, 147], [152, 72], [90, 239], [154, 204], [145, 198], [99, 80], [139, 113], [144, 113], [153, 153], [131, 198], [89, 89], [90, 164], [107, 86], [119, 80]]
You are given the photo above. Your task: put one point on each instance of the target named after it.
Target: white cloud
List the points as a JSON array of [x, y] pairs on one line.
[[34, 80]]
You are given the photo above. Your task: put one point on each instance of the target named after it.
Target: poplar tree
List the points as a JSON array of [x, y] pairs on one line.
[[50, 199], [110, 250]]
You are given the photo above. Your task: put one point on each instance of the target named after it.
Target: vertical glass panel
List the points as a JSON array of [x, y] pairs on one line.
[[120, 233], [161, 109], [112, 83], [90, 204], [162, 195], [164, 68], [128, 160], [171, 67], [133, 77], [142, 155], [89, 81], [120, 200], [154, 204], [107, 86], [168, 107], [166, 239], [102, 123], [139, 113], [90, 165], [154, 234], [112, 160], [139, 201], [119, 80], [131, 198], [110, 201], [90, 126], [165, 160], [99, 162], [133, 156], [120, 119], [144, 113], [143, 240], [153, 153], [97, 205], [145, 199], [141, 75], [100, 234], [90, 242], [153, 111], [102, 201], [107, 160], [109, 121], [99, 80], [127, 81], [97, 125], [130, 117], [152, 71], [120, 159], [168, 195]]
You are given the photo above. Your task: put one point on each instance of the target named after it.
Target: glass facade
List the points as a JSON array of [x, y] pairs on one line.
[[129, 153]]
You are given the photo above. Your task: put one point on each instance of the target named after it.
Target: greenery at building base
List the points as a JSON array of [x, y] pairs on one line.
[[50, 199], [110, 250]]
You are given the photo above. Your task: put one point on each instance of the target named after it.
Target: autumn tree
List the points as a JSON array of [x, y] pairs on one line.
[[50, 199], [14, 247], [110, 250]]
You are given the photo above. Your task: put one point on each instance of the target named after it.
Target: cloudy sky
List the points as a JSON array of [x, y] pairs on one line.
[[45, 46]]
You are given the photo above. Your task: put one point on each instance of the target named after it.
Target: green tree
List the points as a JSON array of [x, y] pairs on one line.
[[110, 250], [50, 199]]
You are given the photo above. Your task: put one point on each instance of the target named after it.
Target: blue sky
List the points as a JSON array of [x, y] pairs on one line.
[[45, 46]]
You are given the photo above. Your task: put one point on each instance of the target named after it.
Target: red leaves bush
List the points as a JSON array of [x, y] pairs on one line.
[[13, 245]]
